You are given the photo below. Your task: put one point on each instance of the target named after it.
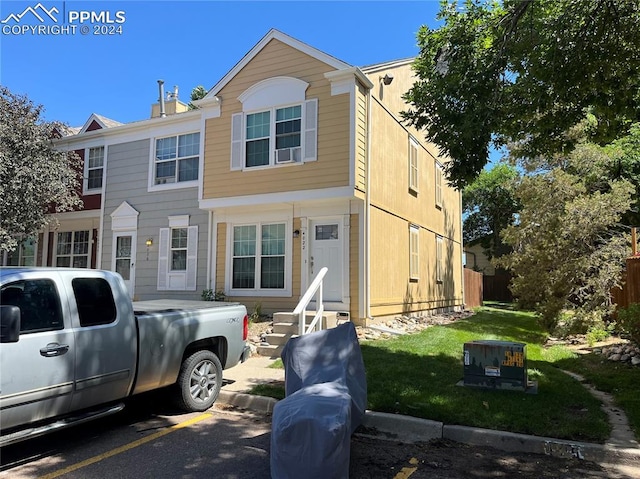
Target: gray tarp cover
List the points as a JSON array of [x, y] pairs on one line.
[[326, 391]]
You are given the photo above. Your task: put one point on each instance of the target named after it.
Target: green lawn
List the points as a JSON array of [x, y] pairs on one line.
[[417, 375]]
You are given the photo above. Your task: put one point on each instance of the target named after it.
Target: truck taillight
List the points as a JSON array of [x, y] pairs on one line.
[[245, 328]]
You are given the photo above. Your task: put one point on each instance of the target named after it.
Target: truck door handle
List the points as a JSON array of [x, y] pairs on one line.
[[54, 349]]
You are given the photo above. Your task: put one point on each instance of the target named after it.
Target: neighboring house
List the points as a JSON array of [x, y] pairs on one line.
[[476, 258], [307, 163], [152, 231], [72, 238]]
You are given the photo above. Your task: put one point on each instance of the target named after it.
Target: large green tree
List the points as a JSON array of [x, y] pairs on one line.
[[489, 206], [35, 178], [569, 245], [522, 73]]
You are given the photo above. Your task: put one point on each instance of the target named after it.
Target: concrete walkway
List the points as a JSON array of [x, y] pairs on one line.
[[620, 452]]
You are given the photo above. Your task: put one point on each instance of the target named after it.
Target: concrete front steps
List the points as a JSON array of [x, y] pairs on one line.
[[285, 327]]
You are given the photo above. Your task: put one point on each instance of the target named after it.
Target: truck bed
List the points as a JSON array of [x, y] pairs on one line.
[[160, 305]]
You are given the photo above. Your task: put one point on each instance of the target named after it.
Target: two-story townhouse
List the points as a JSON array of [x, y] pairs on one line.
[[307, 164], [152, 231]]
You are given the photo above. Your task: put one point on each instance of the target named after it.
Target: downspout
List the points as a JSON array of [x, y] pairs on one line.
[[210, 252], [367, 223], [103, 196]]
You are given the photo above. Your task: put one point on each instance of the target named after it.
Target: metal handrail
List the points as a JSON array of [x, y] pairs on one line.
[[301, 308]]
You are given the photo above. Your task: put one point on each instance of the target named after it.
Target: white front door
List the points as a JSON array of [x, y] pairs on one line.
[[124, 255], [327, 250]]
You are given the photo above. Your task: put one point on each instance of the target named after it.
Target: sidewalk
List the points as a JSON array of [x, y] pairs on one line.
[[241, 378]]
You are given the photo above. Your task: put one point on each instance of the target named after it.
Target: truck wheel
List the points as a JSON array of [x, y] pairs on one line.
[[199, 381]]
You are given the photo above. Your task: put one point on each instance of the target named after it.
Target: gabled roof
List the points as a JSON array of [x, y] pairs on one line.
[[284, 38], [98, 122]]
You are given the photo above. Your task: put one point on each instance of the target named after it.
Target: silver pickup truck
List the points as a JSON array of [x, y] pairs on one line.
[[74, 346]]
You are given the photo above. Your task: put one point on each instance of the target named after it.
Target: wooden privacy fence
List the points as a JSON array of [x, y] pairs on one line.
[[630, 291], [472, 288]]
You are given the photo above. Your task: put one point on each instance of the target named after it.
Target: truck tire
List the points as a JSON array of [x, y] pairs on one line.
[[199, 381]]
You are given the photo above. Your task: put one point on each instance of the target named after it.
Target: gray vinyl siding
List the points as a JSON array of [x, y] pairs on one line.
[[126, 180]]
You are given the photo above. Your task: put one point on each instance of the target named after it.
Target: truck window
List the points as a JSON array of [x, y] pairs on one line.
[[94, 300], [39, 304]]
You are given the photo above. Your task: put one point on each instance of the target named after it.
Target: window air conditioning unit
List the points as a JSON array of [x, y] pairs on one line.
[[288, 155]]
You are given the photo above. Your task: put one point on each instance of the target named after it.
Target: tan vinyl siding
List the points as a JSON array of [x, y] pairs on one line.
[[392, 290], [354, 268], [221, 254], [361, 139], [332, 166]]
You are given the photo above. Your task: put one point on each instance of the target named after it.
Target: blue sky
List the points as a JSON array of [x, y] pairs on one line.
[[185, 43]]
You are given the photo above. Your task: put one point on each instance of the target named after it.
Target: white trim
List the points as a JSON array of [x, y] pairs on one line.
[[342, 80], [137, 130], [344, 192], [85, 169], [279, 90], [242, 220], [132, 271], [77, 215], [179, 221], [124, 218], [344, 226], [151, 184]]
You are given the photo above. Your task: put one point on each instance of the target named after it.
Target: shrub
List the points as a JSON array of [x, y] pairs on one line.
[[629, 321], [210, 295]]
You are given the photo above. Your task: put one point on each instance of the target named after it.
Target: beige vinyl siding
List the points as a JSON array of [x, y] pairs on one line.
[[392, 291], [221, 254], [332, 167], [361, 139], [354, 269]]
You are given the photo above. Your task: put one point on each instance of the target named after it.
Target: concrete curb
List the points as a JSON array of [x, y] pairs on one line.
[[259, 404], [411, 429]]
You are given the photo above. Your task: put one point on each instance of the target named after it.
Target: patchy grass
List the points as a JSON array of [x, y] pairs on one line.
[[417, 375]]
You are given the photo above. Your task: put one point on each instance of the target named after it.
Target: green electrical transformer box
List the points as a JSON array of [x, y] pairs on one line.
[[495, 365]]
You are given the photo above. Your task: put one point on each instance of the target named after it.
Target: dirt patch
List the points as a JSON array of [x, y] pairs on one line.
[[444, 459]]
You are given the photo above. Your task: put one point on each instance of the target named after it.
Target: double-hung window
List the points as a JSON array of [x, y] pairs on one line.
[[178, 249], [95, 168], [258, 256], [24, 255], [177, 159], [284, 132], [72, 249]]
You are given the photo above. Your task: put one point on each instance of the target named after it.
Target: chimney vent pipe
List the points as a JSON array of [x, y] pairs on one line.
[[161, 88]]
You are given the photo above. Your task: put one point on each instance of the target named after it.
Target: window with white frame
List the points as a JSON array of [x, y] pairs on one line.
[[95, 168], [284, 132], [439, 259], [24, 255], [73, 249], [258, 256], [414, 252], [178, 255], [177, 159], [413, 165], [278, 135], [438, 186], [179, 249]]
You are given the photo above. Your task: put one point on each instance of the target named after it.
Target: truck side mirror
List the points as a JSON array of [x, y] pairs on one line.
[[9, 324]]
